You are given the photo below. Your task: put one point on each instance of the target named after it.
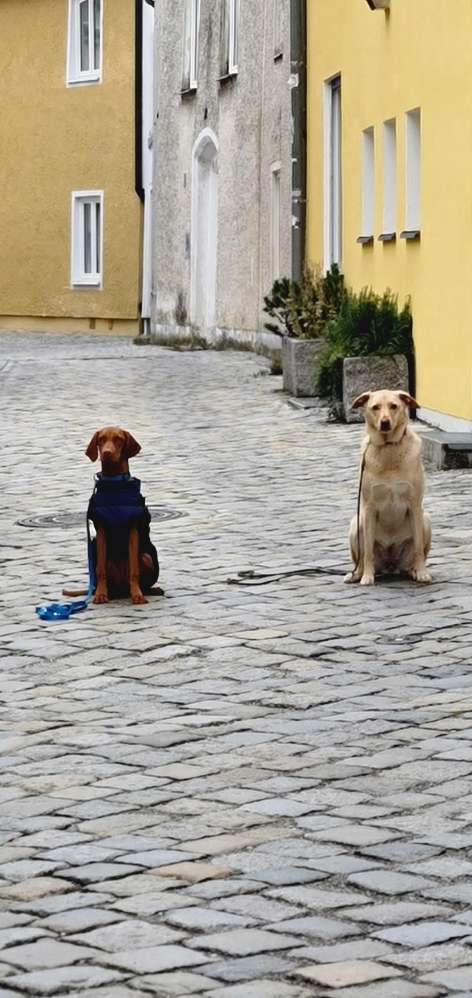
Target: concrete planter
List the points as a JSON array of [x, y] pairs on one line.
[[299, 363], [365, 374]]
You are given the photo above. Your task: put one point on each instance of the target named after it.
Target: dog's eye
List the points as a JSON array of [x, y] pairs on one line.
[[376, 408], [393, 405]]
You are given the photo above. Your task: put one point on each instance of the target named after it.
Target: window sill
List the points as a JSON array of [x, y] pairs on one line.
[[227, 77], [188, 92], [84, 81], [87, 284], [365, 240], [388, 237], [410, 234]]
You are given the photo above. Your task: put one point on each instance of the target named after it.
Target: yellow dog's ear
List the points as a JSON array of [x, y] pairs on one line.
[[361, 400], [131, 445], [408, 400], [92, 449]]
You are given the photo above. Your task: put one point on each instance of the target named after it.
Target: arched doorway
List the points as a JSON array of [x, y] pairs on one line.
[[204, 229]]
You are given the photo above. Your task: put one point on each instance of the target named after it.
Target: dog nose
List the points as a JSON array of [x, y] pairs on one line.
[[384, 424]]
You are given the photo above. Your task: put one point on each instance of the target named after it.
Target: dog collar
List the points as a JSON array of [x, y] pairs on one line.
[[393, 443], [100, 477]]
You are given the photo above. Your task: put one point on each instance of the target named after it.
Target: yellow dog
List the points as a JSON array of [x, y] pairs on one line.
[[393, 532]]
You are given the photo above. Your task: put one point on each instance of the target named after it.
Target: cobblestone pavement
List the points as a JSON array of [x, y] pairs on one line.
[[229, 792]]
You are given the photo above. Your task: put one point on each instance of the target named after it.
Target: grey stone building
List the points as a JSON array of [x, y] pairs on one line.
[[223, 217]]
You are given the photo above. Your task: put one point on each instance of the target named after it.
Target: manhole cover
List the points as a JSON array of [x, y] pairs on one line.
[[66, 520]]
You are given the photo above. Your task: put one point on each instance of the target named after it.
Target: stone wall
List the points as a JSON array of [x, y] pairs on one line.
[[249, 116]]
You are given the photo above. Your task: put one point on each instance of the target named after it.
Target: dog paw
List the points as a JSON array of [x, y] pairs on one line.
[[421, 575], [137, 599], [367, 579], [100, 598], [350, 578]]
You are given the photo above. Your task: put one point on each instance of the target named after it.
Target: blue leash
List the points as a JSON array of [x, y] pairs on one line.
[[62, 611]]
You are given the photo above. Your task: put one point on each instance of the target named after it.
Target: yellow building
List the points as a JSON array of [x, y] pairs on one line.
[[73, 174], [389, 172]]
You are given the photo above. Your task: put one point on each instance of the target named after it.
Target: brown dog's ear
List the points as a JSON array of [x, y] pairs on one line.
[[131, 446], [408, 400], [361, 400], [92, 449]]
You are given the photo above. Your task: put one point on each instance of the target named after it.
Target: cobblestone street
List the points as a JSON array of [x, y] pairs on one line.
[[229, 792]]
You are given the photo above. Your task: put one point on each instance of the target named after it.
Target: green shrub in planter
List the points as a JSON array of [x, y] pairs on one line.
[[367, 323], [302, 310]]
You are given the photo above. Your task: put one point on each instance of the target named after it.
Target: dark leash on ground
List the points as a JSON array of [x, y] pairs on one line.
[[252, 578]]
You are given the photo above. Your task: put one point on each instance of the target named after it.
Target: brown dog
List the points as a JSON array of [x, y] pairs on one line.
[[125, 560], [393, 533]]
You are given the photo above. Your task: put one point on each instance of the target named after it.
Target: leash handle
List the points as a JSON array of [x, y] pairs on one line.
[[62, 611]]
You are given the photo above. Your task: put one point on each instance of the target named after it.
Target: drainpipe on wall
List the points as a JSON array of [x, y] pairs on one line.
[[143, 151], [138, 95], [298, 89]]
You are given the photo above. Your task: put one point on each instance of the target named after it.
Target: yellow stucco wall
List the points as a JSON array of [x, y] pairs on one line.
[[55, 139], [417, 55]]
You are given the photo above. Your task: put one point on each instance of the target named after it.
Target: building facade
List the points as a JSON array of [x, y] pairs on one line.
[[389, 157], [75, 163], [222, 217]]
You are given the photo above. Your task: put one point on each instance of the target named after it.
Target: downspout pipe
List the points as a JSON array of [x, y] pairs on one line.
[[138, 97], [298, 90], [138, 130], [138, 100]]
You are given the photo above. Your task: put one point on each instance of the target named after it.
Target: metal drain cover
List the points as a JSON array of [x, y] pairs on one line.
[[66, 520]]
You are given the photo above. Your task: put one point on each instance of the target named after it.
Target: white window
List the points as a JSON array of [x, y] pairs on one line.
[[87, 238], [332, 173], [84, 55], [389, 220], [229, 37], [191, 33], [275, 223], [413, 171], [368, 184], [278, 29]]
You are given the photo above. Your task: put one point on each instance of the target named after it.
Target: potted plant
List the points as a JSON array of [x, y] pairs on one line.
[[301, 311], [369, 345]]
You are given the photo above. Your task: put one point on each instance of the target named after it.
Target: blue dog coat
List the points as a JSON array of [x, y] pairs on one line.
[[117, 505]]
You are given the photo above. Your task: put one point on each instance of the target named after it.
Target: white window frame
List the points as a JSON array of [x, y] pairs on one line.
[[332, 191], [191, 45], [79, 276], [230, 38], [389, 217], [278, 29], [368, 183], [275, 221], [74, 74], [413, 170], [233, 37]]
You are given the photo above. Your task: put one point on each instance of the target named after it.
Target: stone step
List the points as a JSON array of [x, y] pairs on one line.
[[444, 451]]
